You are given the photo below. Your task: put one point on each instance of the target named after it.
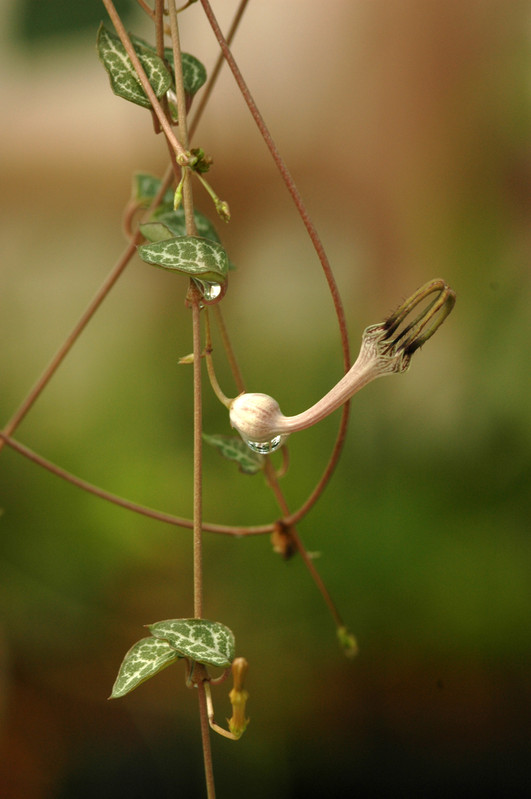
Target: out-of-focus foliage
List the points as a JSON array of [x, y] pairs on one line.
[[37, 21]]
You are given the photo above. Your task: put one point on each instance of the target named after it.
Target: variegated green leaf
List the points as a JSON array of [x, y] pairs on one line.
[[191, 255], [172, 223], [235, 449], [124, 80], [145, 658], [194, 72], [205, 641]]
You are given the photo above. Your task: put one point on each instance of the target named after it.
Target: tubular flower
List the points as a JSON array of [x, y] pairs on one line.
[[386, 348]]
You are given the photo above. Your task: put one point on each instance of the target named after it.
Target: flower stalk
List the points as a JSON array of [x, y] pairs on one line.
[[238, 698], [386, 348]]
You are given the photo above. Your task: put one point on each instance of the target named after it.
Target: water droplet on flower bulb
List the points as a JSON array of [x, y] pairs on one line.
[[265, 447]]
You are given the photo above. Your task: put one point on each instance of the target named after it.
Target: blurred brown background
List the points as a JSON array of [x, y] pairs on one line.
[[406, 126]]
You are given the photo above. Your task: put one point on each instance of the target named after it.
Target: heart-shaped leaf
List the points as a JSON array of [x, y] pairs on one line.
[[145, 658], [124, 80], [205, 641], [191, 255], [194, 72]]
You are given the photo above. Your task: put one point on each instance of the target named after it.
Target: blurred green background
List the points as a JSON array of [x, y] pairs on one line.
[[406, 126]]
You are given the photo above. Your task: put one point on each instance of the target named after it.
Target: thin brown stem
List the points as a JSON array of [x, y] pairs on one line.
[[210, 363], [286, 176], [299, 514], [217, 68], [72, 337], [188, 203], [159, 27], [198, 458], [205, 736], [318, 580], [316, 241], [145, 7], [179, 86], [229, 351], [168, 518], [272, 480], [28, 402]]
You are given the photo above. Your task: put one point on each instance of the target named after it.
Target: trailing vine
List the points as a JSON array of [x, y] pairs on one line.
[[166, 231]]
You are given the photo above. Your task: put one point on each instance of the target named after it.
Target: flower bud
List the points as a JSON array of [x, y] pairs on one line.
[[386, 348], [238, 698]]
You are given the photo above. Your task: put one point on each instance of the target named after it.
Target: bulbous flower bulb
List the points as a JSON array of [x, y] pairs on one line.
[[386, 348], [255, 417]]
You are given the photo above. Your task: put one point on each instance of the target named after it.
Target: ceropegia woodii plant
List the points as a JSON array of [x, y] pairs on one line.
[[167, 231]]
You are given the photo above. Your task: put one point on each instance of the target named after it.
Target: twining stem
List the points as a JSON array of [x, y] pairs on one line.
[[198, 457], [205, 736], [151, 513], [146, 8], [217, 67], [317, 244], [159, 27], [286, 176], [188, 203], [28, 401], [70, 340], [198, 537], [229, 351], [179, 85], [210, 364], [272, 479], [194, 297]]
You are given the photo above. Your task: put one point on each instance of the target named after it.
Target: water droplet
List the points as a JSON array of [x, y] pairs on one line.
[[265, 447], [210, 290]]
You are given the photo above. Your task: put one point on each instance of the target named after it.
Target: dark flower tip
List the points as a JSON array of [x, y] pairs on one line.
[[408, 338]]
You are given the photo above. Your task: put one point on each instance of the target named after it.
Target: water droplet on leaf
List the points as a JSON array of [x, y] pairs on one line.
[[211, 291]]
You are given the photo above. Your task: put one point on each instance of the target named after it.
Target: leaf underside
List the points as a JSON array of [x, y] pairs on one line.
[[172, 223], [234, 449]]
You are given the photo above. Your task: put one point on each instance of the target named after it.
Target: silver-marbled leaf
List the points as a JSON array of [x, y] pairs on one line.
[[202, 640], [191, 255], [124, 80], [145, 658]]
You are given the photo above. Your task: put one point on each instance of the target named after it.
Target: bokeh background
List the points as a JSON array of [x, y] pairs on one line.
[[406, 125]]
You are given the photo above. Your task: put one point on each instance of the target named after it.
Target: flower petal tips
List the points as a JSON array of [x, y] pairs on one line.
[[386, 348]]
